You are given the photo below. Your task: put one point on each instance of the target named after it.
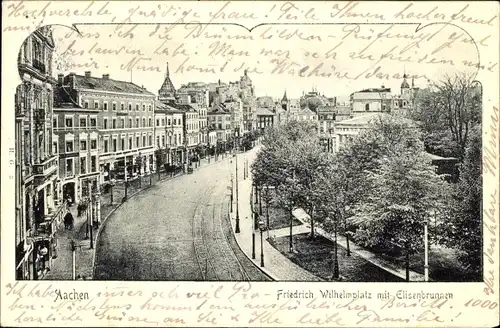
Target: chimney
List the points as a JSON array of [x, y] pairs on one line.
[[105, 76], [60, 79], [87, 74], [72, 80]]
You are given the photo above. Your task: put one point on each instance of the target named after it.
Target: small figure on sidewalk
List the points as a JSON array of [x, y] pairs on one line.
[[68, 221]]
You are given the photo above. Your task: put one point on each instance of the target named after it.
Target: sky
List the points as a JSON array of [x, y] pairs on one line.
[[346, 58]]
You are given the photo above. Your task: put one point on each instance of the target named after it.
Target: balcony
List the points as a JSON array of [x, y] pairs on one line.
[[51, 221], [45, 168]]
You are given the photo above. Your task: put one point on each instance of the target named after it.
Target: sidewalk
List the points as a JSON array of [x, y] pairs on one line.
[[276, 265], [61, 268], [371, 257]]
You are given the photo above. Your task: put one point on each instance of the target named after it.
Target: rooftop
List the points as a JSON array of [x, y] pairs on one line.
[[105, 84], [264, 111]]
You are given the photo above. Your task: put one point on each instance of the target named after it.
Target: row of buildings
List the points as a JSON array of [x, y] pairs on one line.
[[76, 133]]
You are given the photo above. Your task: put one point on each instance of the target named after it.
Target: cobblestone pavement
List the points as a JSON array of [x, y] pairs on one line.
[[176, 230], [61, 267]]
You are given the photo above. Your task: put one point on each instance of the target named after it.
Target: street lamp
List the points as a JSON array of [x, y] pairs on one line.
[[426, 252], [237, 229], [111, 184], [253, 237], [336, 272], [232, 187], [261, 228]]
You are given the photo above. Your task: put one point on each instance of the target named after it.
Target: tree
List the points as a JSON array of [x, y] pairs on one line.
[[464, 226], [449, 109], [160, 155], [289, 160], [405, 190]]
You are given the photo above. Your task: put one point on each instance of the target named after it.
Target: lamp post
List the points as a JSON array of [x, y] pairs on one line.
[[237, 229], [90, 216], [266, 195], [253, 237], [261, 228], [232, 187], [336, 273], [111, 184], [426, 253], [73, 250], [244, 168]]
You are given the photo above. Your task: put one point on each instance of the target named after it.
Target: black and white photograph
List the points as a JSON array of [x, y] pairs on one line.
[[167, 161]]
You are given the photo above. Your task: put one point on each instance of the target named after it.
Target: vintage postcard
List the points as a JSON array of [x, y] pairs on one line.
[[250, 164]]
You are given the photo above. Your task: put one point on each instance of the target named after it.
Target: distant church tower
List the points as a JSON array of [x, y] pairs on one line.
[[405, 87], [167, 92], [284, 102]]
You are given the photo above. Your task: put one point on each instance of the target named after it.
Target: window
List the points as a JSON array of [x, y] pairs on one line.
[[93, 122], [367, 107], [137, 139], [122, 123], [114, 106], [149, 108], [143, 107], [114, 145], [123, 144], [69, 167], [114, 123], [69, 146], [136, 107], [129, 122], [93, 163], [86, 104], [130, 107], [55, 147], [105, 105], [143, 122], [83, 122], [69, 122], [93, 144], [106, 146], [83, 165], [105, 123], [150, 140], [143, 141], [83, 145], [130, 146], [157, 122], [168, 122], [158, 141], [162, 122], [136, 122], [122, 106], [54, 122], [162, 140], [150, 122], [96, 104]]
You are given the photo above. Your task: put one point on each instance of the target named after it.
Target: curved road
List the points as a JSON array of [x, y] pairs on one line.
[[176, 230]]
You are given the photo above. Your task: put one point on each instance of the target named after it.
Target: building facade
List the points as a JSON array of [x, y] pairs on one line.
[[265, 118], [38, 200], [76, 142], [125, 122], [219, 121]]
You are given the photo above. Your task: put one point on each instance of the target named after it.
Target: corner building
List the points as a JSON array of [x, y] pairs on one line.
[[38, 202], [125, 122]]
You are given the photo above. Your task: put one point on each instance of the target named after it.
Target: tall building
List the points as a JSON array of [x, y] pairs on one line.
[[124, 112], [38, 200]]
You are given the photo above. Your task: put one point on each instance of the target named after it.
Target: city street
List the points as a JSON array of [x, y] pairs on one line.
[[176, 230]]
